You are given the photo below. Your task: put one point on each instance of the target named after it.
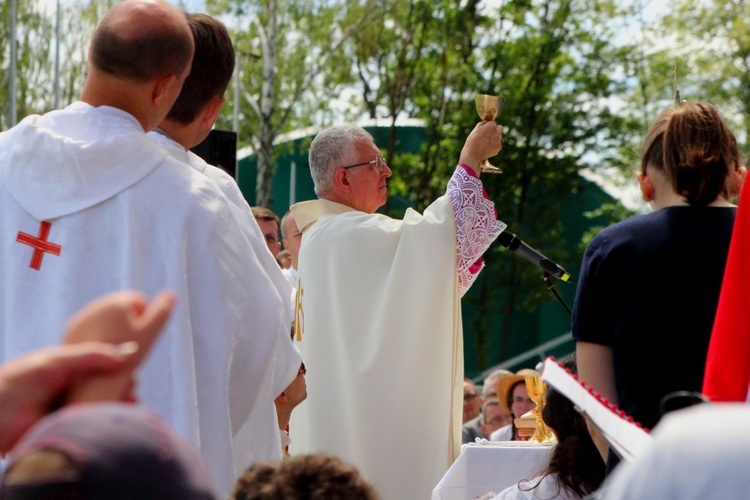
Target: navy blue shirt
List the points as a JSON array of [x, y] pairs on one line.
[[649, 288]]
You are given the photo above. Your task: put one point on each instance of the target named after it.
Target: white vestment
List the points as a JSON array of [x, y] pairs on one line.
[[537, 488], [117, 212], [698, 453], [291, 276], [380, 324], [252, 443]]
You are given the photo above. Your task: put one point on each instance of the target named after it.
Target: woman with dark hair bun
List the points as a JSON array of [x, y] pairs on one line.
[[649, 285]]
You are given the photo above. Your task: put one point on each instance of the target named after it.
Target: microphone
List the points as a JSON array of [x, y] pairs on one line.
[[518, 247]]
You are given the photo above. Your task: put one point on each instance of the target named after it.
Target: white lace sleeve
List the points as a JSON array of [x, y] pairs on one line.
[[476, 225]]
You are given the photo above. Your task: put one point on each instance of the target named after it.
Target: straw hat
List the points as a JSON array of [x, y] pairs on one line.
[[506, 383]]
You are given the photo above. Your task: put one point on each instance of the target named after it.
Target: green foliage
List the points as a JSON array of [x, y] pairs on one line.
[[289, 59], [552, 61], [714, 51], [35, 37], [302, 88], [32, 30]]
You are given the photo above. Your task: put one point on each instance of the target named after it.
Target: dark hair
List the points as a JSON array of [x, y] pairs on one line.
[[305, 477], [700, 152], [213, 64], [143, 54], [575, 459], [509, 402]]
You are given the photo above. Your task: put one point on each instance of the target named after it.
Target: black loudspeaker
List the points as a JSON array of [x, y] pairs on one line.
[[220, 150]]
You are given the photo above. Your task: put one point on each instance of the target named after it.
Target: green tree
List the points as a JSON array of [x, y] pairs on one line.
[[411, 65], [712, 50], [33, 32], [35, 36], [708, 47], [288, 52], [554, 62]]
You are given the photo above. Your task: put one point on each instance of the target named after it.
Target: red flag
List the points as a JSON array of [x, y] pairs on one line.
[[728, 362]]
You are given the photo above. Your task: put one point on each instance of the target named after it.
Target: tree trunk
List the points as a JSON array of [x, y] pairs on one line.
[[266, 129]]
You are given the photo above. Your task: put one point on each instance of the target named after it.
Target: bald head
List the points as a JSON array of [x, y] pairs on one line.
[[140, 40]]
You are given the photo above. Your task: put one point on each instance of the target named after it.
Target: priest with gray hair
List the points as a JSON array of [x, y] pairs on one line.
[[378, 301]]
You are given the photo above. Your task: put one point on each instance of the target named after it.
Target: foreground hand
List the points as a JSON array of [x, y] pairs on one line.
[[485, 141], [116, 318], [29, 385]]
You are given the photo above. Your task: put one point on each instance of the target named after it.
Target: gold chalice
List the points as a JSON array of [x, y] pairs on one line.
[[488, 107], [536, 389]]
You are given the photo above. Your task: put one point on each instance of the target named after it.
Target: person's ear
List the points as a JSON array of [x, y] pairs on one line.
[[211, 111], [647, 186], [341, 180], [162, 87], [737, 180]]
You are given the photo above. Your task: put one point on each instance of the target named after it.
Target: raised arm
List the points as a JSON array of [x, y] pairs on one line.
[[476, 218]]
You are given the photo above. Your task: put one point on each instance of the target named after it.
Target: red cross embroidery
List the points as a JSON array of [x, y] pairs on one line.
[[39, 244]]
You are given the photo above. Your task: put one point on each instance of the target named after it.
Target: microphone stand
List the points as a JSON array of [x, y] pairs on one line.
[[551, 287]]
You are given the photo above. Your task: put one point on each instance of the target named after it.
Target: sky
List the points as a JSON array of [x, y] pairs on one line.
[[190, 5]]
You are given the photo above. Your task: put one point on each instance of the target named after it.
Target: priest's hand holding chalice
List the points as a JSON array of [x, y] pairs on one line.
[[488, 107]]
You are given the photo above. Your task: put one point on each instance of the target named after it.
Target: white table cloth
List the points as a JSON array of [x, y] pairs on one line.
[[487, 467]]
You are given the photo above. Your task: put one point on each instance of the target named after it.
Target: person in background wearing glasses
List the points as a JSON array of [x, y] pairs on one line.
[[472, 424], [493, 417], [378, 318], [515, 401], [474, 428], [472, 401]]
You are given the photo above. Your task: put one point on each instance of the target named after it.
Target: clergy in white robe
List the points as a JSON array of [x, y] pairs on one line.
[[91, 205], [253, 443], [188, 123], [379, 317]]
